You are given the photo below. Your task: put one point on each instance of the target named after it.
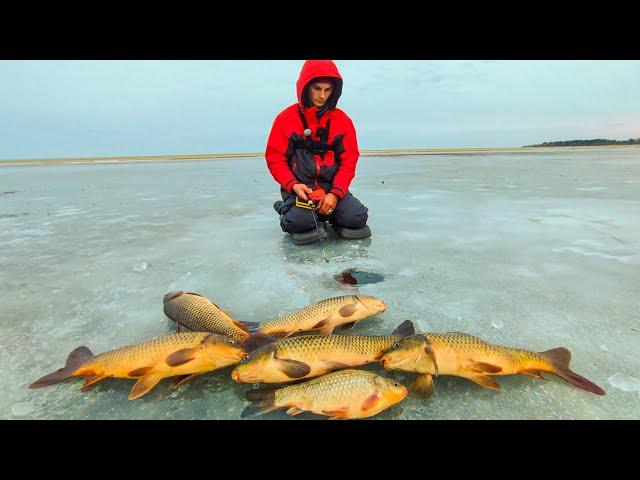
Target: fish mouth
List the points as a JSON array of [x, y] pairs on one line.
[[384, 362]]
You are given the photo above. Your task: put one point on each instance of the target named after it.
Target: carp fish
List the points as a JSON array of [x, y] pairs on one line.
[[185, 354], [308, 356], [470, 357], [323, 316], [193, 312], [339, 395]]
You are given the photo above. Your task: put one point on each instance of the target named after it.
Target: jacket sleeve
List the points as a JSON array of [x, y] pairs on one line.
[[275, 154], [349, 159]]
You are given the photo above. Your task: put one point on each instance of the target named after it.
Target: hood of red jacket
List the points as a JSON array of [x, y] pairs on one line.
[[318, 68]]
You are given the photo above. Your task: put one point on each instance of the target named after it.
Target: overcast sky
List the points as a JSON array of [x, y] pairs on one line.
[[54, 109]]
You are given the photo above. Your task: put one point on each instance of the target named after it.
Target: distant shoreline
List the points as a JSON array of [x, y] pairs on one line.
[[363, 153]]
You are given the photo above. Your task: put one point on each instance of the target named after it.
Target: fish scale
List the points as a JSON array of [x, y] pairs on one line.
[[200, 314], [467, 344], [311, 345], [328, 305], [149, 352], [344, 387]]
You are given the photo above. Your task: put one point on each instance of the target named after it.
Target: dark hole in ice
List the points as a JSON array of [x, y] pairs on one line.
[[352, 276]]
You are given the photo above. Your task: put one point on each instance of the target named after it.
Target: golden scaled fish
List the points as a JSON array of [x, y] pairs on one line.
[[185, 354], [308, 356], [323, 316], [339, 395], [470, 357], [193, 312]]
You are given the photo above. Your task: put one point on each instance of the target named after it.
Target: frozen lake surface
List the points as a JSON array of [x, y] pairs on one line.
[[536, 251]]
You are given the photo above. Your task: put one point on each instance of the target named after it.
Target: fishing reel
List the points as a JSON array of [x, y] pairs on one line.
[[315, 197]]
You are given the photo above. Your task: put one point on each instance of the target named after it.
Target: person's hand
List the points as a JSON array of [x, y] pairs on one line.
[[301, 190], [328, 204]]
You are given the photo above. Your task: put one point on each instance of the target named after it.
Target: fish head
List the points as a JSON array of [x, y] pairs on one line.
[[411, 354], [390, 389], [371, 304], [223, 349], [251, 368], [171, 295]]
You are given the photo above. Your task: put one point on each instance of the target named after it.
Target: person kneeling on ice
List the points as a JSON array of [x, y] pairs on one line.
[[312, 153]]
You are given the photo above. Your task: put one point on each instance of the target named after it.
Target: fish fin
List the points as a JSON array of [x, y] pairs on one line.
[[405, 329], [74, 361], [294, 411], [143, 385], [92, 380], [559, 359], [348, 326], [140, 372], [180, 357], [293, 368], [239, 324], [485, 381], [429, 351], [531, 373], [370, 402], [263, 401], [171, 295], [180, 327], [333, 365], [482, 367], [324, 327], [337, 413], [251, 327], [348, 310], [199, 295], [184, 379], [423, 386], [257, 340]]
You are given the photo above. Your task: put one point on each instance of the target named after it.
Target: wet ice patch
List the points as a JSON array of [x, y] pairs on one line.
[[631, 259], [68, 211], [624, 382], [497, 324], [140, 267], [604, 348], [22, 409], [591, 189]]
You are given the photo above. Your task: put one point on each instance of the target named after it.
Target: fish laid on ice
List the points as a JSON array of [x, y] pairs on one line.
[[193, 312], [338, 395], [323, 316], [470, 357], [308, 356], [186, 354]]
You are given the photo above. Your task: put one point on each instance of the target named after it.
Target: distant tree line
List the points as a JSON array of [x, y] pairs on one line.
[[586, 143]]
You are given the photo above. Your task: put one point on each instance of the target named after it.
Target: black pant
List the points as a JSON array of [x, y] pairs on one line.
[[349, 213]]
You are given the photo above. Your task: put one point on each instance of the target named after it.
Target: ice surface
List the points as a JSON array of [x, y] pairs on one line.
[[626, 383], [553, 265]]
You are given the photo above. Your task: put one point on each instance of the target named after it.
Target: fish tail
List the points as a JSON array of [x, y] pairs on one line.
[[263, 401], [257, 340], [405, 329], [75, 359], [559, 359]]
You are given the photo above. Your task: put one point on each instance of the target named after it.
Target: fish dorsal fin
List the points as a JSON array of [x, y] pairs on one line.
[[143, 385], [370, 402], [485, 381], [238, 324], [293, 368], [198, 295], [180, 357], [423, 386], [348, 310], [482, 367]]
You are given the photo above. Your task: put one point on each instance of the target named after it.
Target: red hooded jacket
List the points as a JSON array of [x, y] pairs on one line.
[[334, 170]]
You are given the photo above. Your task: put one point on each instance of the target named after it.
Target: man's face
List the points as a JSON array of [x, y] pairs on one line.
[[319, 93]]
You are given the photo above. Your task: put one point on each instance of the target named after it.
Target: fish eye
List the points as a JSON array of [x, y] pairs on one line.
[[395, 345]]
